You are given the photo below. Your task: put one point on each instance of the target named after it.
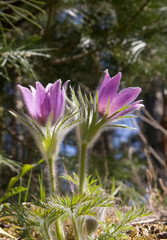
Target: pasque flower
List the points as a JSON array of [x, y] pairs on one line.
[[111, 105], [108, 92], [41, 102]]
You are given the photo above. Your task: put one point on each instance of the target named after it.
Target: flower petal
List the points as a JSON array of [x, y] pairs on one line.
[[33, 90], [29, 100], [133, 106], [124, 97], [65, 84], [48, 87], [42, 103], [105, 80], [57, 100], [108, 90]]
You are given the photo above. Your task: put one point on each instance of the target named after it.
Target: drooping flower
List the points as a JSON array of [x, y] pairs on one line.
[[108, 92], [41, 102]]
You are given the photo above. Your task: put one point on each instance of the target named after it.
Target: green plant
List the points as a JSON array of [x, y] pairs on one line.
[[13, 55], [49, 119], [12, 191], [117, 230], [7, 162], [80, 211], [6, 234]]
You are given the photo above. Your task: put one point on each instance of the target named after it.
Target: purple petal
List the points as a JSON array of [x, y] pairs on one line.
[[29, 99], [57, 100], [109, 87], [105, 80], [42, 103], [124, 97], [102, 107], [65, 85], [48, 87], [62, 106], [133, 106], [108, 90], [33, 90]]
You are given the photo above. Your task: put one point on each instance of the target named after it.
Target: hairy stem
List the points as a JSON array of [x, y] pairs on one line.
[[46, 236], [82, 166], [75, 228], [59, 230], [52, 175]]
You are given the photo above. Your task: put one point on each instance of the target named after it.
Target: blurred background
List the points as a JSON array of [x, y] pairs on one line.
[[77, 40]]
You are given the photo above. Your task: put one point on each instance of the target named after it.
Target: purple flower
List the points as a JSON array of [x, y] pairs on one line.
[[108, 92], [40, 102]]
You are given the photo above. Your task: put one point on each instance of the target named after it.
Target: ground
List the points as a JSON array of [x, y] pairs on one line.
[[147, 229]]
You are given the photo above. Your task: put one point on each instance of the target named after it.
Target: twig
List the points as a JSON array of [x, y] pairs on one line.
[[72, 58], [151, 121], [164, 188], [147, 221], [148, 147]]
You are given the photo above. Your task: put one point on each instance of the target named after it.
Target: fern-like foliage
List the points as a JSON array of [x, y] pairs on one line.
[[19, 212], [41, 220], [117, 229], [81, 214], [80, 211]]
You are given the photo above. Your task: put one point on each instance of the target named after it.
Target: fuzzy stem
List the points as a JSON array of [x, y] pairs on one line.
[[47, 236], [52, 175], [75, 228], [59, 230], [82, 169]]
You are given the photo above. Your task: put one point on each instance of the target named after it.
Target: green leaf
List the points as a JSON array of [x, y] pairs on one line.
[[18, 11], [42, 187], [10, 23], [108, 105], [34, 5], [26, 168], [71, 178], [120, 126], [6, 162], [28, 186], [120, 110], [76, 103], [20, 118], [127, 116], [12, 192], [95, 110], [84, 109]]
